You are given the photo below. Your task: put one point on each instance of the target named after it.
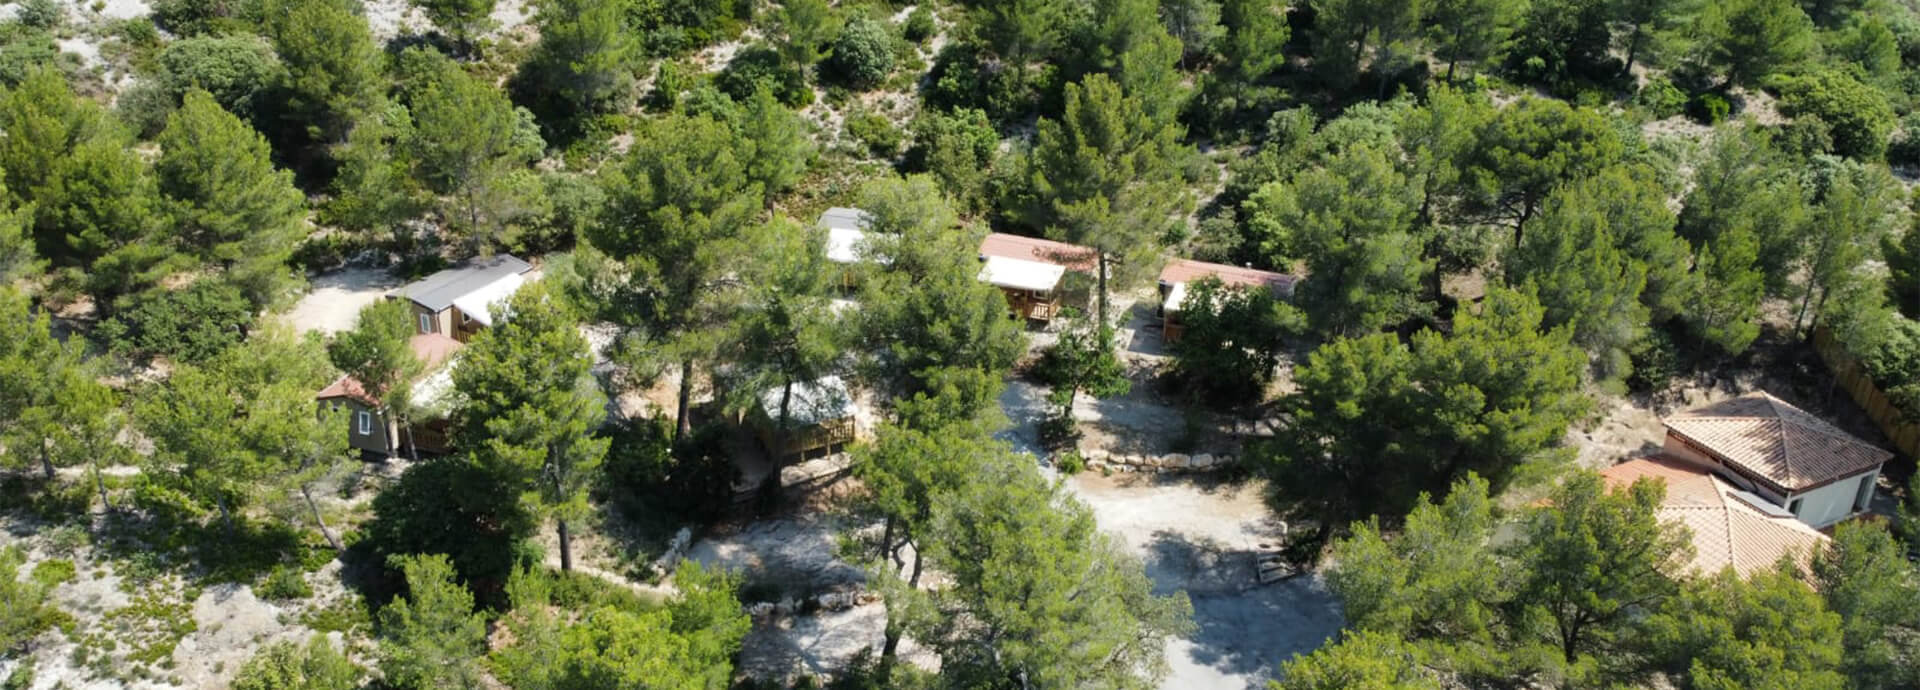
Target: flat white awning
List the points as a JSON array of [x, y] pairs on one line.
[[478, 304], [843, 245], [1175, 297], [1019, 274]]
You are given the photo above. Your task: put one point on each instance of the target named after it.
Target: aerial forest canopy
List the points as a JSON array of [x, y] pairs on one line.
[[475, 341]]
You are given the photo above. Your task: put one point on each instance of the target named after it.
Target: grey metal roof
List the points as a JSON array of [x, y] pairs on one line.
[[843, 217], [438, 291]]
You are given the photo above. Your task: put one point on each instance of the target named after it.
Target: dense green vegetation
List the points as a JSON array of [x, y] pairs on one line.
[[1506, 214]]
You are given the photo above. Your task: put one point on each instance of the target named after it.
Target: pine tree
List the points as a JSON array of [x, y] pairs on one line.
[[462, 20], [530, 406], [1726, 313], [1048, 599], [469, 142], [1583, 277], [377, 354], [923, 312], [678, 214], [432, 638], [333, 67], [235, 209], [1749, 40], [1352, 222], [102, 204], [583, 65], [1256, 34], [1594, 559], [787, 335], [1106, 173], [1530, 148], [1470, 31]]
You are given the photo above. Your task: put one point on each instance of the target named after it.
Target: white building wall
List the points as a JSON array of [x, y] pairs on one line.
[[1832, 503]]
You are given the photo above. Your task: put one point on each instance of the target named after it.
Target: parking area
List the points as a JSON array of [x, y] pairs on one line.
[[334, 302]]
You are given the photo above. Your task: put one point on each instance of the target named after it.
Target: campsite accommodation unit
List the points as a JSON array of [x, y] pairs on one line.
[[1175, 277], [455, 302], [1730, 527], [846, 232], [1792, 459], [369, 432], [1029, 271], [820, 419]]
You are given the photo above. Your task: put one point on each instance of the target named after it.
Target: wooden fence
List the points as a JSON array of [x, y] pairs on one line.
[[1848, 373]]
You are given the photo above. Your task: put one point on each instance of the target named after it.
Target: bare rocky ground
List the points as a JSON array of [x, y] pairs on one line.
[[1195, 534], [1199, 535]]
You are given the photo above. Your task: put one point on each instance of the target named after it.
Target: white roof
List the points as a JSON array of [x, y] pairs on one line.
[[812, 402], [1175, 297], [478, 304], [429, 393], [843, 244], [1020, 274]]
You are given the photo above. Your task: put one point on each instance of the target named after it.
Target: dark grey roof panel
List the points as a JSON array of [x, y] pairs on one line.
[[438, 291]]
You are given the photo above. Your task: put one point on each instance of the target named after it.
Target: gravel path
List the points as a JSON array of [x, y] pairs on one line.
[[334, 303]]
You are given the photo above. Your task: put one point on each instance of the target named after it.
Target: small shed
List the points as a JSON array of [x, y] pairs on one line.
[[1766, 446], [821, 419], [1028, 270], [1180, 272]]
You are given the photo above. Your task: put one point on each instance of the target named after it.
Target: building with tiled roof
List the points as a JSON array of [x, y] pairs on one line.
[[1764, 445], [366, 430], [1179, 272], [1731, 527]]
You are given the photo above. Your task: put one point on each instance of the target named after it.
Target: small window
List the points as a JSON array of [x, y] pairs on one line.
[[465, 318], [1793, 506], [365, 420], [426, 323]]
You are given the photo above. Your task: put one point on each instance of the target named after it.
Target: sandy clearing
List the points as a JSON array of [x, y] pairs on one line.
[[1197, 535], [333, 305]]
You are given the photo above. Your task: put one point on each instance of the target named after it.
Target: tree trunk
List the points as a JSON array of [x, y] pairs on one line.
[[566, 547], [886, 539], [100, 482], [307, 493], [1102, 258], [1633, 46], [226, 516], [1801, 314], [391, 431], [46, 460], [914, 581], [683, 425], [413, 449]]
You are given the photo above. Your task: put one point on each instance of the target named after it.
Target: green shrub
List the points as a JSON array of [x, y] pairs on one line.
[[1857, 113], [920, 26], [24, 48], [876, 132], [286, 666], [283, 584], [190, 325], [1662, 99], [760, 66], [1709, 108], [54, 572], [1655, 360], [1069, 462], [1905, 148], [862, 54], [26, 603], [196, 17], [42, 14]]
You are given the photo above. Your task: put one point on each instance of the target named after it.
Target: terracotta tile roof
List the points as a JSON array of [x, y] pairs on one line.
[[1776, 442], [1072, 256], [1728, 529], [432, 349], [1187, 270]]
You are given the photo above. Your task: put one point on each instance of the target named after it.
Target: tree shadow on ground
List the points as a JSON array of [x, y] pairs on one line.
[[1241, 627]]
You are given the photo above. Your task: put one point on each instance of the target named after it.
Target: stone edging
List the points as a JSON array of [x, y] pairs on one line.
[[1100, 460]]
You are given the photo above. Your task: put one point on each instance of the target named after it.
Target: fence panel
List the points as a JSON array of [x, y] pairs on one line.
[[1851, 375]]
